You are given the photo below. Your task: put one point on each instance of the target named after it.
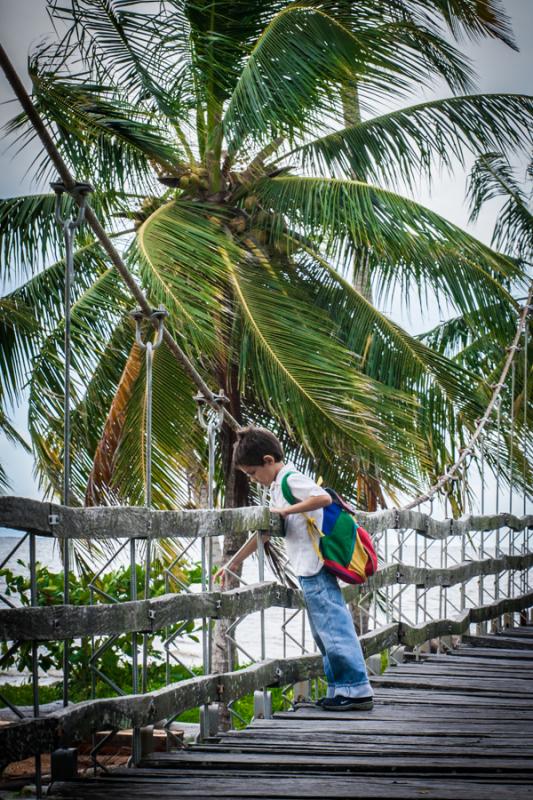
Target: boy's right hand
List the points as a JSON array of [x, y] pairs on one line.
[[222, 574]]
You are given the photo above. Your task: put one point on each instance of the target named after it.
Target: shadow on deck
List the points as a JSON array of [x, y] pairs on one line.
[[455, 727]]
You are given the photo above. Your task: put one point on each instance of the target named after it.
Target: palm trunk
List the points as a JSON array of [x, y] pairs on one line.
[[361, 281], [236, 495]]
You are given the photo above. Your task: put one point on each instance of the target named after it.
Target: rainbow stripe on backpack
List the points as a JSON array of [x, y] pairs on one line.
[[344, 546]]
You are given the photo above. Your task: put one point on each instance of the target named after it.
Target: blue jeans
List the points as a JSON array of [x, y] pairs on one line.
[[333, 631]]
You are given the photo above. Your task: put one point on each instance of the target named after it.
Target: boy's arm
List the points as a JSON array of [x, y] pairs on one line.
[[303, 506], [249, 547]]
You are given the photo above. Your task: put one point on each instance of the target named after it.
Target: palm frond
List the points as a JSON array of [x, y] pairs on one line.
[[135, 48], [417, 136], [97, 132], [33, 311], [178, 251], [289, 85], [389, 354], [100, 485], [222, 36], [19, 330], [290, 354], [29, 234], [177, 438], [407, 242], [492, 176], [474, 18], [94, 315]]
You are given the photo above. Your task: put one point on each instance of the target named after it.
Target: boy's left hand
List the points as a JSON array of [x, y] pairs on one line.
[[282, 511]]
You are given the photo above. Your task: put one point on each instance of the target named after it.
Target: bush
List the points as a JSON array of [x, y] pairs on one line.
[[116, 660]]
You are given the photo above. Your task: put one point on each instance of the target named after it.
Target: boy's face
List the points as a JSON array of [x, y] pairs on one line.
[[265, 473]]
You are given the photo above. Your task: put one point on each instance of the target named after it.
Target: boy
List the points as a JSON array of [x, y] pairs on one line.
[[259, 454]]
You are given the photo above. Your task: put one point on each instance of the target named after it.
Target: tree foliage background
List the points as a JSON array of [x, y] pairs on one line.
[[240, 164]]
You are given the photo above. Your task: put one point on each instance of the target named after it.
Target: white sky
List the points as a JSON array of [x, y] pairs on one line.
[[500, 69]]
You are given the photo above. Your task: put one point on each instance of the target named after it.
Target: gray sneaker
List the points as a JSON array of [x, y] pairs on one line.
[[341, 703]]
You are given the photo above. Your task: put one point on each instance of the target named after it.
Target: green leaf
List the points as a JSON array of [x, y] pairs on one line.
[[408, 244], [491, 177], [178, 249], [307, 378], [414, 138], [289, 85]]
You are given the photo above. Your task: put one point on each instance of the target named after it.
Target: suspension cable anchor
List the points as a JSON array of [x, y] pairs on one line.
[[157, 315], [80, 193], [202, 404], [78, 190]]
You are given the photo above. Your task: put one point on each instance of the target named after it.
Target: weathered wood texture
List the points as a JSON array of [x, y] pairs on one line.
[[78, 721], [67, 622], [118, 522], [461, 743], [50, 519]]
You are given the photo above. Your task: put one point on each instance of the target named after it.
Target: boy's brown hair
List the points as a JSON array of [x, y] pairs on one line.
[[253, 444]]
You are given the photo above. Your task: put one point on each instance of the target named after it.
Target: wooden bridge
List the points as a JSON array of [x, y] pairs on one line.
[[456, 725]]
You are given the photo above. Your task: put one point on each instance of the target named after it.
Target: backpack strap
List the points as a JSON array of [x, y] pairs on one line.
[[285, 489], [312, 529]]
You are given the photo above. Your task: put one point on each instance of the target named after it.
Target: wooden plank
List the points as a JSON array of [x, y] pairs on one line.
[[469, 671], [116, 522], [334, 740], [465, 764], [492, 653], [503, 642], [21, 513], [499, 687], [390, 695], [398, 721], [280, 784]]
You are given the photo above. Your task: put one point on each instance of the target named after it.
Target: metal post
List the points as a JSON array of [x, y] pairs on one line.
[[482, 626], [525, 572], [496, 622], [525, 402], [266, 695], [136, 738], [211, 424], [35, 660], [157, 318], [511, 575], [70, 227]]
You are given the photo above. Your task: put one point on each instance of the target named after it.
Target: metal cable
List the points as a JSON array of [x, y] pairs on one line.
[[511, 350], [103, 238]]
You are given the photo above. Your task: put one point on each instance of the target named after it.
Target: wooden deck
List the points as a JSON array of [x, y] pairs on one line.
[[456, 727]]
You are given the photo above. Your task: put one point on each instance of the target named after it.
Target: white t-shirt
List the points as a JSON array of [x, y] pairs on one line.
[[300, 550]]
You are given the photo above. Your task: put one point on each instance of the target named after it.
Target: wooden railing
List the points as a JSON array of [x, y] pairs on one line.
[[41, 624]]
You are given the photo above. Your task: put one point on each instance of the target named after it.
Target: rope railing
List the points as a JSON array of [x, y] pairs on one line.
[[116, 522], [59, 622], [467, 451]]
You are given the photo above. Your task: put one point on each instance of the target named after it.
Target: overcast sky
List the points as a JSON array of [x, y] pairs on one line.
[[24, 22]]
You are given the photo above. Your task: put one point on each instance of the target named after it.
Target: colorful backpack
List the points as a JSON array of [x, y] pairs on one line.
[[344, 546]]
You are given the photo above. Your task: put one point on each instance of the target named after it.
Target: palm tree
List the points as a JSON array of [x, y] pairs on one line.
[[239, 156], [468, 341]]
